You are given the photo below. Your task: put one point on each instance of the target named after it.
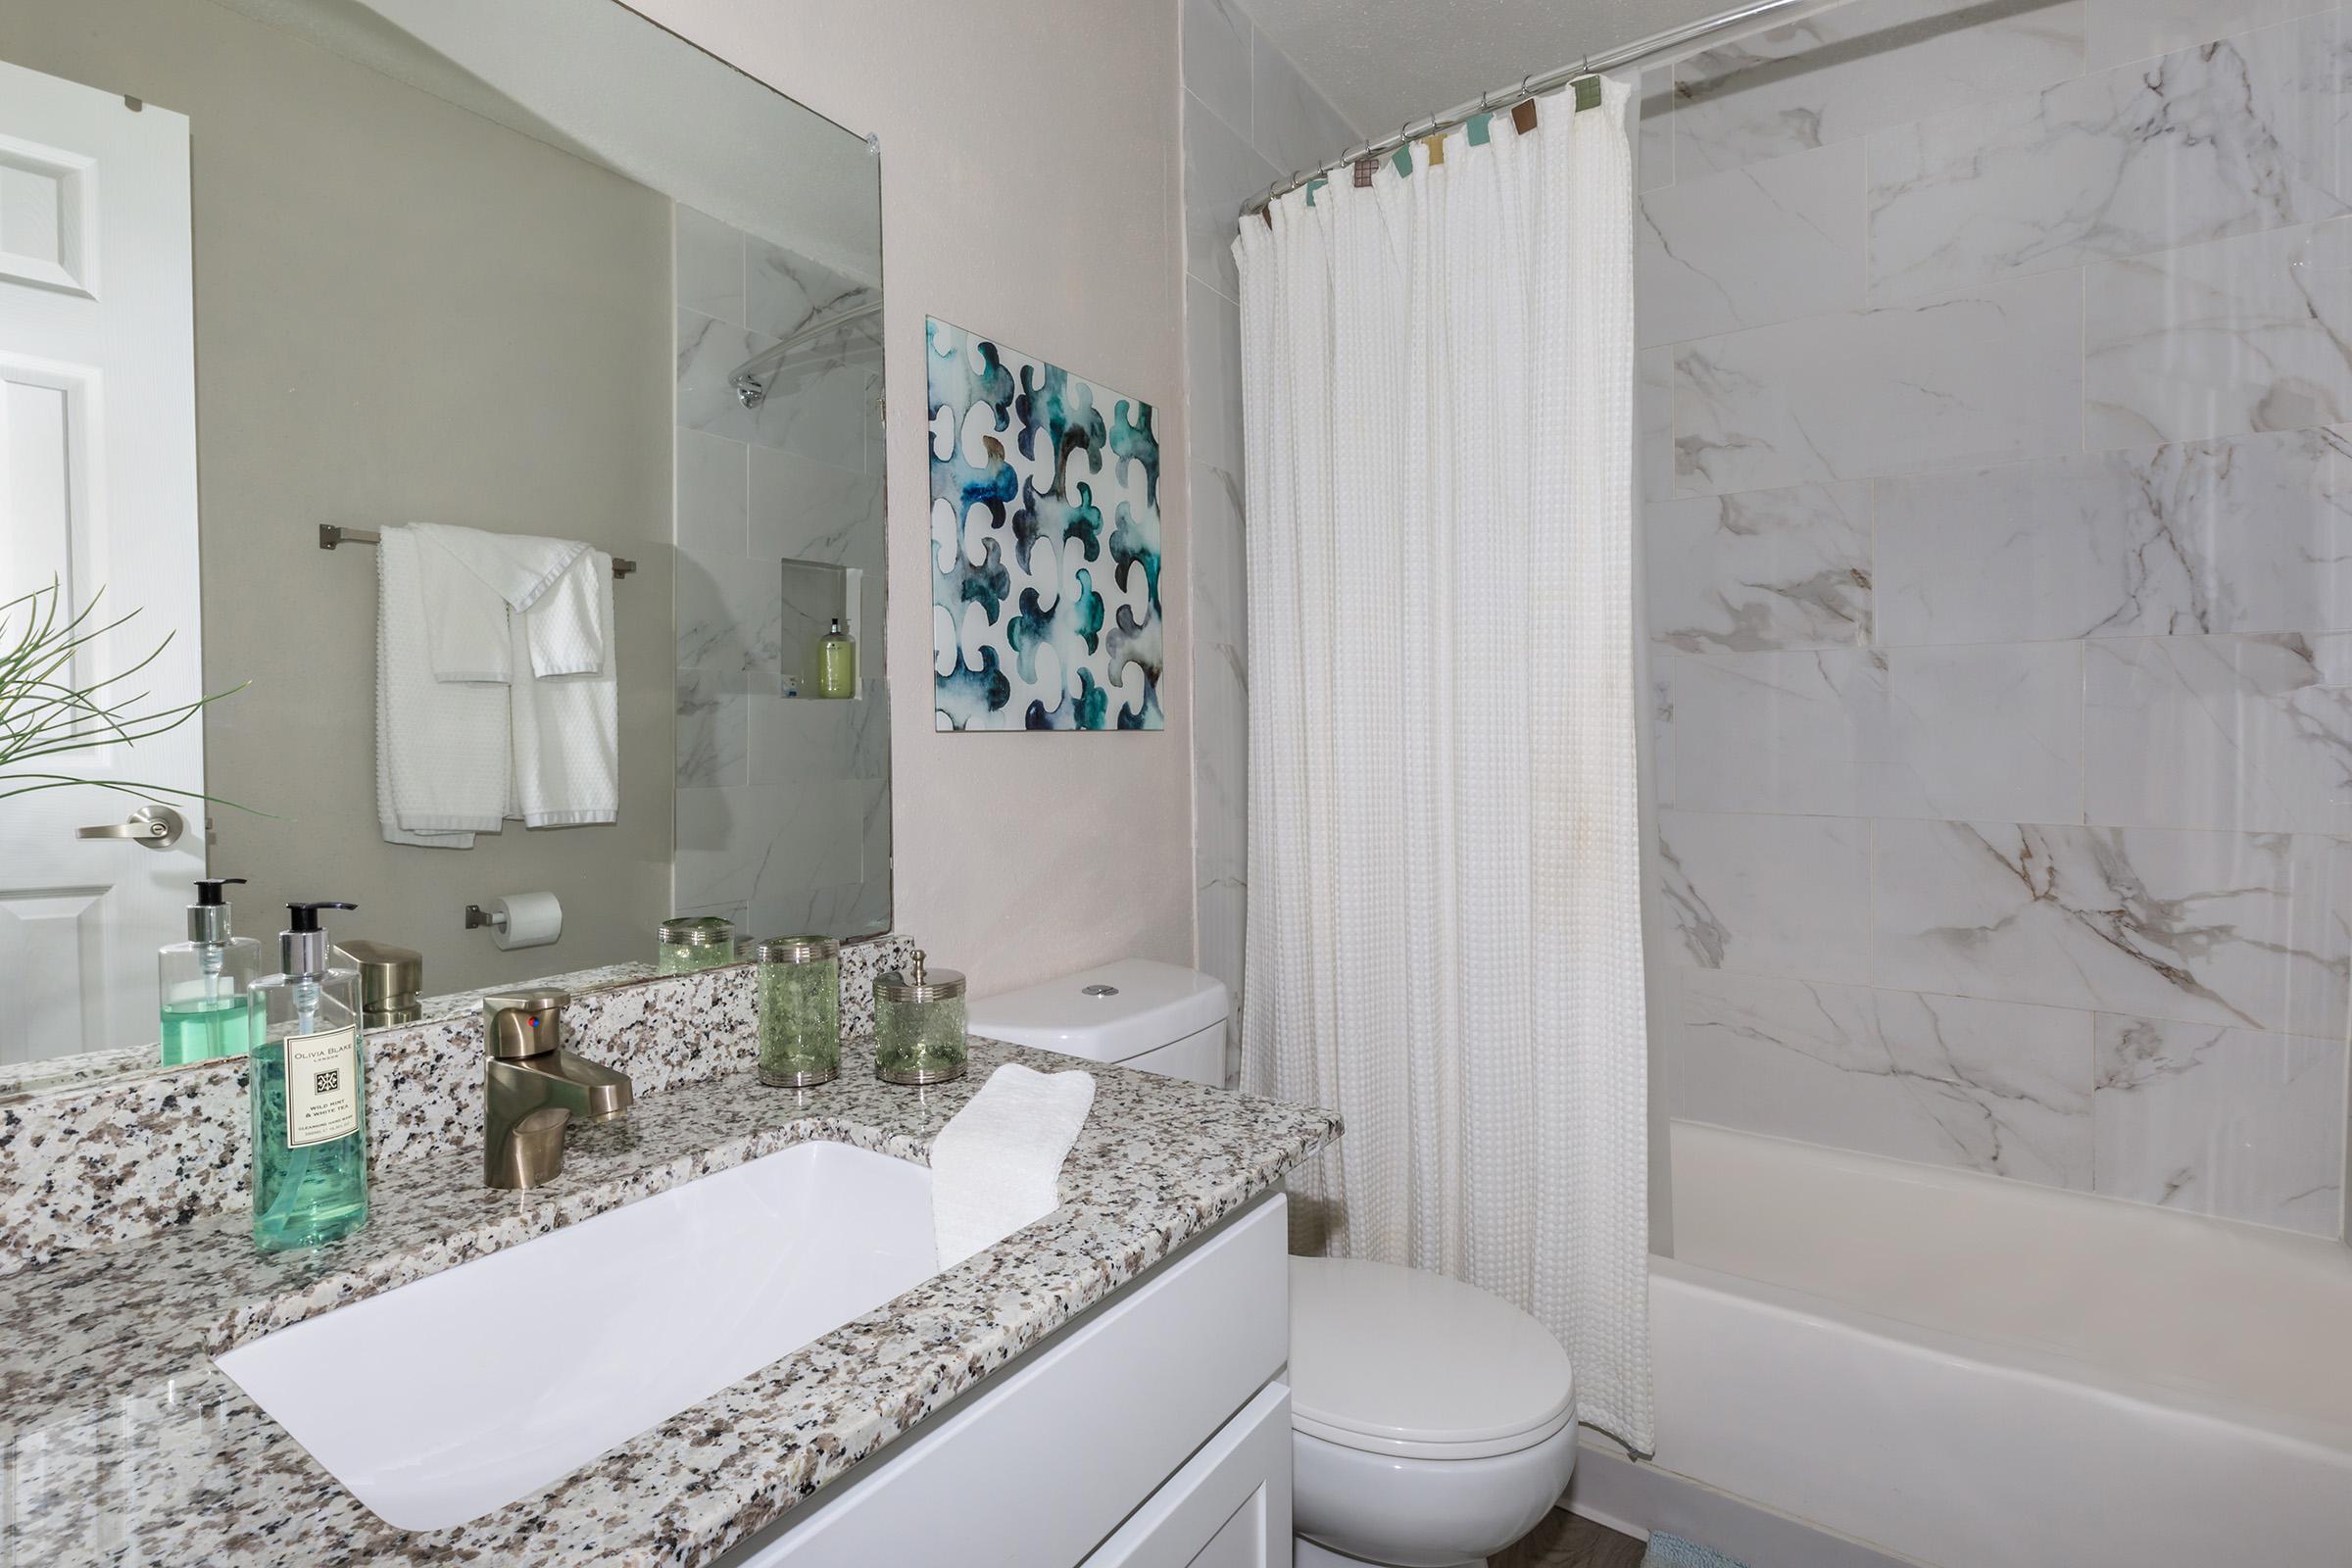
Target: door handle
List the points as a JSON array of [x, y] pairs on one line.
[[155, 827]]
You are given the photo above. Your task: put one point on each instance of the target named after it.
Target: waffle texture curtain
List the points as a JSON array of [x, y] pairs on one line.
[[1444, 930]]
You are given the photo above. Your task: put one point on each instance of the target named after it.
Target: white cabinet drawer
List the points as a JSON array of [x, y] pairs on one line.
[[1048, 1460], [1228, 1507]]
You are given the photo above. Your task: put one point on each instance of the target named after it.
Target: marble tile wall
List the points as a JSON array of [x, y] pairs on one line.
[[1249, 115], [783, 801], [1995, 411]]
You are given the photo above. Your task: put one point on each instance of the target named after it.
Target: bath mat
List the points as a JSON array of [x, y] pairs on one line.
[[1673, 1551]]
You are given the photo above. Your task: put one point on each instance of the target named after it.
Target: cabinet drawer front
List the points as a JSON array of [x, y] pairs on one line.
[[1056, 1452], [1228, 1507]]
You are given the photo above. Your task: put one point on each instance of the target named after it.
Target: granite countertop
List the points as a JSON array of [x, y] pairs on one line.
[[127, 1446]]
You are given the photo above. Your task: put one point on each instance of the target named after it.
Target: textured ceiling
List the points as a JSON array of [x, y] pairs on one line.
[[1383, 62]]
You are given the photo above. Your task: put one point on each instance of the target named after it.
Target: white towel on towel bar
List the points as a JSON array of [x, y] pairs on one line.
[[995, 1166], [473, 578], [441, 748], [567, 727]]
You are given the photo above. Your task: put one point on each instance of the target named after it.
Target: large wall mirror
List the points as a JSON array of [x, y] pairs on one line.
[[457, 290]]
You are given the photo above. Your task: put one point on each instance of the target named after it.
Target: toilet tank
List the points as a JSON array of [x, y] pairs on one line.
[[1156, 1017]]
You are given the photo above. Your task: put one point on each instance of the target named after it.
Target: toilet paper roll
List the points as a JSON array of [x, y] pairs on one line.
[[533, 920]]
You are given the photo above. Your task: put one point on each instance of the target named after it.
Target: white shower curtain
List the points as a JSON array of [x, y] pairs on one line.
[[1444, 890]]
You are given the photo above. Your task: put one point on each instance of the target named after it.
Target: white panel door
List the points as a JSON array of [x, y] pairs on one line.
[[97, 490]]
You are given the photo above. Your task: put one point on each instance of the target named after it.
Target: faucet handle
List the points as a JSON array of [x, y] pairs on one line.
[[534, 1154], [523, 1023]]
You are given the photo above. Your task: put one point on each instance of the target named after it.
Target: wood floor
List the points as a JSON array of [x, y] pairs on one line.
[[1564, 1541]]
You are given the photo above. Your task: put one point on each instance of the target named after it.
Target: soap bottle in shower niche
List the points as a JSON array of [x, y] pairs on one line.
[[205, 983], [836, 662], [308, 1097]]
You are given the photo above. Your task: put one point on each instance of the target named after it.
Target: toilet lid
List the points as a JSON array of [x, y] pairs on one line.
[[1396, 1360]]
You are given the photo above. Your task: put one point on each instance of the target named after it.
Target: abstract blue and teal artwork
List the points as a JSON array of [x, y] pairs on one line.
[[1045, 544]]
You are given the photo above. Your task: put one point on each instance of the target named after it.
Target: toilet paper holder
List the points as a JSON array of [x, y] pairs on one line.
[[476, 915]]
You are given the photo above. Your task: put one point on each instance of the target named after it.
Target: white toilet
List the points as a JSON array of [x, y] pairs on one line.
[[1431, 1423], [1159, 1017]]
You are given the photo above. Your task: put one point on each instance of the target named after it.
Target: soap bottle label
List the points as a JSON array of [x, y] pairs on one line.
[[323, 1087]]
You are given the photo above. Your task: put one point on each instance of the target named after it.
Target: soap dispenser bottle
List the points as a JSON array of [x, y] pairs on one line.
[[205, 983], [308, 1097], [836, 662]]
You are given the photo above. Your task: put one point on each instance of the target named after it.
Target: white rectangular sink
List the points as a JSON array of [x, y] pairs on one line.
[[443, 1399]]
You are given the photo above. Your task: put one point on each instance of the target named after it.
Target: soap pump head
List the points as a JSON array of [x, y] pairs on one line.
[[208, 916], [302, 947], [836, 631]]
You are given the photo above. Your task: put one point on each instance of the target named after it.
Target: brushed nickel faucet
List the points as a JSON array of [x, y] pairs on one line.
[[534, 1087]]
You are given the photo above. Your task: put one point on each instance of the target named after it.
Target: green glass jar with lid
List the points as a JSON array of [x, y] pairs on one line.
[[799, 1010], [685, 943], [919, 1025]]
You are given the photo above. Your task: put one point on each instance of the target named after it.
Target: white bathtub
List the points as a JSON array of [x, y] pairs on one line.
[[1978, 1373]]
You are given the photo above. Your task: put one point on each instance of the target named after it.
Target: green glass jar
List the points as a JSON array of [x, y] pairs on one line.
[[919, 1025], [799, 1010], [685, 943]]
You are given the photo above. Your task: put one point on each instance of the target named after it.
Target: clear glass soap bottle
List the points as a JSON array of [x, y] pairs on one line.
[[309, 1096], [836, 664], [205, 983]]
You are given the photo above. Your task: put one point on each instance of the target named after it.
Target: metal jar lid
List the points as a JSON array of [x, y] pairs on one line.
[[797, 949], [389, 979], [697, 931], [917, 985]]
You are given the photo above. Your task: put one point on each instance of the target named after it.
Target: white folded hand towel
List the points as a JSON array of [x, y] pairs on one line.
[[567, 727], [566, 626], [473, 579], [995, 1166], [441, 748]]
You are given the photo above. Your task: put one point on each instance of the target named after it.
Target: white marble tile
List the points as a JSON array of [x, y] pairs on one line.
[[1220, 558], [1851, 70], [1660, 684], [1991, 375], [711, 728], [2117, 32], [1981, 730], [711, 477], [2243, 535], [1220, 767], [1775, 732], [1760, 569], [815, 510], [1290, 123], [2230, 1122], [2236, 929], [1213, 339], [728, 615], [807, 742], [1217, 42], [2225, 139], [1221, 171], [822, 409], [1653, 144], [1985, 1086], [2235, 335], [710, 351], [754, 842], [707, 255], [2251, 733], [1767, 894], [785, 292], [1655, 409], [1766, 242]]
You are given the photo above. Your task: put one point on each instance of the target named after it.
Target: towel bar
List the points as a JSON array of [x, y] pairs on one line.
[[332, 534]]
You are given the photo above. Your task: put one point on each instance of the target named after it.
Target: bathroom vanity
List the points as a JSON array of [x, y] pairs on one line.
[[1103, 1386]]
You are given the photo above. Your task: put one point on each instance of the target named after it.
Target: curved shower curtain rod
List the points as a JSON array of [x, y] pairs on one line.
[[1658, 44]]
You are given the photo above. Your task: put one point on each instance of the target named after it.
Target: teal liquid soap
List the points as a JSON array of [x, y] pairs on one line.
[[303, 1197], [206, 1028]]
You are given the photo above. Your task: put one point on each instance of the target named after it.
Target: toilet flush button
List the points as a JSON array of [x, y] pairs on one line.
[[1099, 991]]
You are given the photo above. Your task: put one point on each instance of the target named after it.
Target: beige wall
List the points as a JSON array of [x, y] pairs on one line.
[[1029, 191], [403, 312]]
